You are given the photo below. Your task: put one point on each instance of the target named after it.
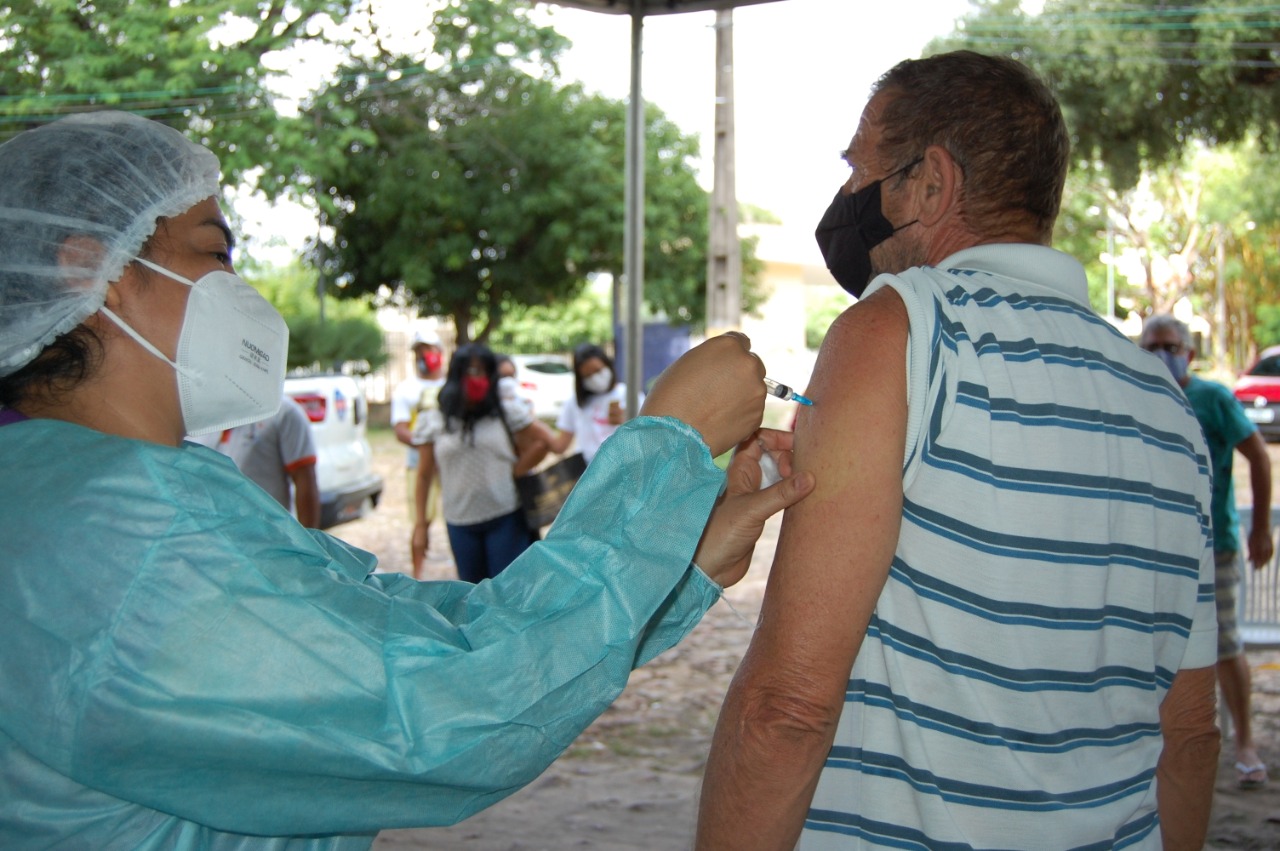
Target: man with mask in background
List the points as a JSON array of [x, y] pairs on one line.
[[991, 625], [1227, 431], [415, 394]]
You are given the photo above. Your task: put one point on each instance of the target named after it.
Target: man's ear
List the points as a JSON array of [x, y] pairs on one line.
[[940, 181]]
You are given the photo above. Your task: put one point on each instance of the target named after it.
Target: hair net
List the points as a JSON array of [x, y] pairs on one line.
[[103, 175]]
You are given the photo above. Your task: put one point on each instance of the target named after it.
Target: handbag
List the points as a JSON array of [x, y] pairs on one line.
[[543, 492]]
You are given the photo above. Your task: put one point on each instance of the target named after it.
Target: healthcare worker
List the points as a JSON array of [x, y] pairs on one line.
[[187, 667]]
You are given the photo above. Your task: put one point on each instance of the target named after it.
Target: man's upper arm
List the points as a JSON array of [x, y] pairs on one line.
[[297, 443], [836, 546]]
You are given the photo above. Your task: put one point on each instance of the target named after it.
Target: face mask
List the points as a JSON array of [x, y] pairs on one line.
[[231, 352], [852, 226], [475, 388], [429, 363], [599, 382], [1177, 364]]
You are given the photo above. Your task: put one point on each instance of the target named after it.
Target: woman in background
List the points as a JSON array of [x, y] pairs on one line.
[[478, 442], [597, 407]]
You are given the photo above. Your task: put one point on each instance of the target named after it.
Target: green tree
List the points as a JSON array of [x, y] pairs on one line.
[[1140, 81], [1242, 268], [556, 328], [819, 314], [345, 336], [198, 66], [474, 183], [1081, 231], [1172, 112], [1267, 330]]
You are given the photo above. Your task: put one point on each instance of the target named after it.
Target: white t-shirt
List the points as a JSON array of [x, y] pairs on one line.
[[410, 397], [476, 479], [590, 424]]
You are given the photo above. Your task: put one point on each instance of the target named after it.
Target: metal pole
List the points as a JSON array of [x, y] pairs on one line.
[[633, 245]]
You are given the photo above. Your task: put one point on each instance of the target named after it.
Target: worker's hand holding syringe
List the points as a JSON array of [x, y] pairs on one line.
[[718, 388]]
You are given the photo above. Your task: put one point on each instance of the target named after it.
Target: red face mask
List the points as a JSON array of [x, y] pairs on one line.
[[475, 388], [429, 362]]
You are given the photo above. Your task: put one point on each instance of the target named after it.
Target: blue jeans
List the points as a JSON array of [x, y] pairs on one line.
[[483, 550]]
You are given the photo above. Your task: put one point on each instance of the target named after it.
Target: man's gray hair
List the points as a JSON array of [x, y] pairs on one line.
[[1159, 321]]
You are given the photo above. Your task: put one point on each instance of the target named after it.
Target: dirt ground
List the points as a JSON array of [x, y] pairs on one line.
[[630, 782]]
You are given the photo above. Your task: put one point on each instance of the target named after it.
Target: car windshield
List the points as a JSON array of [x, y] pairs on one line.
[[1267, 366]]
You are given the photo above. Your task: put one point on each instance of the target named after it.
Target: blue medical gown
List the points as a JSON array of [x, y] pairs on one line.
[[185, 666]]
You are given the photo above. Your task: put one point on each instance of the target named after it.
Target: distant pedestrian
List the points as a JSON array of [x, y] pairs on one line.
[[279, 454], [475, 444], [598, 405], [508, 385], [1227, 430], [409, 399]]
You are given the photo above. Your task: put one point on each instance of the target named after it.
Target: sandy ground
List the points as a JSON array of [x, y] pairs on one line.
[[631, 780]]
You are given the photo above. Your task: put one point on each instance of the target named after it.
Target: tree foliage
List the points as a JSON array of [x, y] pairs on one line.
[[325, 333], [1141, 81], [198, 66], [474, 182], [1174, 117], [556, 328], [466, 218]]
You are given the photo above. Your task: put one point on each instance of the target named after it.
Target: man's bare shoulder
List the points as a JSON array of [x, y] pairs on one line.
[[867, 334]]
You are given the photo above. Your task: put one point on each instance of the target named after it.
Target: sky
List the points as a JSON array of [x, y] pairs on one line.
[[802, 69]]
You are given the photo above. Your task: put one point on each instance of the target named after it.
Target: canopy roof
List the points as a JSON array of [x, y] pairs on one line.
[[654, 7]]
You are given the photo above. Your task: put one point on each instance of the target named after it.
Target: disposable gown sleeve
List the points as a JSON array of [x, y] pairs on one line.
[[266, 682]]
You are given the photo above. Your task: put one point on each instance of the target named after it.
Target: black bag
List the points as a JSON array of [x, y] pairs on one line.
[[543, 492]]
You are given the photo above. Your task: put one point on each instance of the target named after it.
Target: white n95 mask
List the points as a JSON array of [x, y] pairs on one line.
[[231, 352], [599, 381]]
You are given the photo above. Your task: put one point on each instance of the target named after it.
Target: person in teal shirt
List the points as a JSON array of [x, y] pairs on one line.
[[1227, 431], [185, 665]]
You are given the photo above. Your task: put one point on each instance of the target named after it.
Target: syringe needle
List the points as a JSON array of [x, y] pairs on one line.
[[785, 393]]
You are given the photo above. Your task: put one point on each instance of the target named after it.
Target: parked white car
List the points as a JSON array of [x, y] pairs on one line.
[[339, 416], [546, 381]]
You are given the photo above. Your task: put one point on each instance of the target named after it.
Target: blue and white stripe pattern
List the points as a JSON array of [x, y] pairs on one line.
[[1054, 572]]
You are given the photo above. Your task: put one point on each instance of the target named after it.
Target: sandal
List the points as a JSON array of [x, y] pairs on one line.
[[1251, 776]]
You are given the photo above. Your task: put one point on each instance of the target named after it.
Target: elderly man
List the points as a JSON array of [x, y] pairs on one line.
[[992, 623], [1227, 430]]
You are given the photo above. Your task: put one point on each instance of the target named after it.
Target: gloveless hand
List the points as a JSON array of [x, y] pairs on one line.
[[716, 387], [737, 521]]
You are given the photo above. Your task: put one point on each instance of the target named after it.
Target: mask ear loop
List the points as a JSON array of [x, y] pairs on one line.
[[155, 267], [138, 338], [141, 341]]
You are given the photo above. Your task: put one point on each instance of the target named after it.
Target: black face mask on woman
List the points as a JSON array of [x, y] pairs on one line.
[[852, 226]]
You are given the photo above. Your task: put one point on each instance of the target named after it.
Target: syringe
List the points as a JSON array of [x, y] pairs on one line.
[[785, 393]]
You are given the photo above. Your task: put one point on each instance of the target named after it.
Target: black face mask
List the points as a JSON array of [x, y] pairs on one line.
[[852, 226]]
